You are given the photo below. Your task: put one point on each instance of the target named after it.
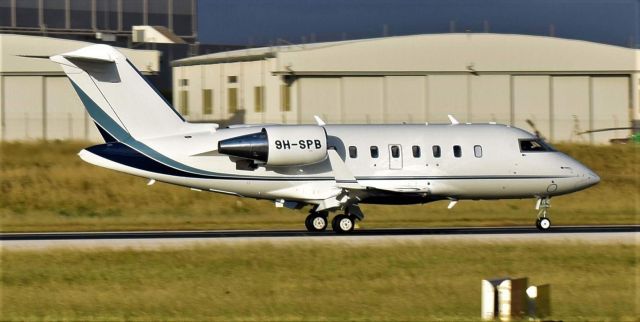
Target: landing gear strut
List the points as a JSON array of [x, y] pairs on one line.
[[316, 221], [543, 222]]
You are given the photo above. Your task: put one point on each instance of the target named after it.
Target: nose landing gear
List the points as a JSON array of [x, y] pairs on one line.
[[543, 223]]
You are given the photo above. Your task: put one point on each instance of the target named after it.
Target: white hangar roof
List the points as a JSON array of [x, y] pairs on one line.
[[14, 47], [433, 53]]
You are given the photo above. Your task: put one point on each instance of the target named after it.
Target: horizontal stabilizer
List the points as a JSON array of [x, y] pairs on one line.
[[95, 53]]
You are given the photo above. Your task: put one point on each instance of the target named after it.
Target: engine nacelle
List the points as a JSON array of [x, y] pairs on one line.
[[279, 145]]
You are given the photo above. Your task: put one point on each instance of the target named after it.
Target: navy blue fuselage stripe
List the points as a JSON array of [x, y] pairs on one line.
[[117, 132], [122, 154], [105, 135]]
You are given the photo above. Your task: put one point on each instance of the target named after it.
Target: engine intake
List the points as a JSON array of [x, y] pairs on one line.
[[279, 145]]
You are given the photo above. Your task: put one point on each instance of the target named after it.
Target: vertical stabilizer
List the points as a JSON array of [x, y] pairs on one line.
[[117, 96]]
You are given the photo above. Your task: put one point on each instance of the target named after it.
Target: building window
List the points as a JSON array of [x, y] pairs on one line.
[[232, 79], [207, 101], [457, 151], [416, 151], [184, 102], [374, 152], [184, 82], [477, 151], [285, 98], [258, 98], [436, 151], [353, 152], [395, 151], [232, 100]]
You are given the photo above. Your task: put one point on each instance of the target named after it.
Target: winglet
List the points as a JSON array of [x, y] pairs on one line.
[[319, 120], [343, 176], [453, 119]]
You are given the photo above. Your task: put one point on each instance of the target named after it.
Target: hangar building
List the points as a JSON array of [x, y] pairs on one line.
[[37, 100], [563, 86]]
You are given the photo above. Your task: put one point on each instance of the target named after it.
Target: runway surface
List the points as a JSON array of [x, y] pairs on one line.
[[327, 233], [627, 234]]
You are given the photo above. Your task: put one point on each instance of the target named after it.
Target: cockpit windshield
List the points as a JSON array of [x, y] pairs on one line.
[[535, 145]]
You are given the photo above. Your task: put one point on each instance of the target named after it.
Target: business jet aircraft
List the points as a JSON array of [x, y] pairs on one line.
[[334, 168]]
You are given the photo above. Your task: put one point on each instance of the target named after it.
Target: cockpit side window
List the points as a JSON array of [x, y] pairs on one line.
[[535, 145]]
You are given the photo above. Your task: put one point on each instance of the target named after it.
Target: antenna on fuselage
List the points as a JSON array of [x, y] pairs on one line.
[[533, 126], [319, 120], [453, 119]]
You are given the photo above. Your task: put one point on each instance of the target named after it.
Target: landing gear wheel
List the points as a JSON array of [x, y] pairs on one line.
[[543, 223], [343, 224], [316, 221]]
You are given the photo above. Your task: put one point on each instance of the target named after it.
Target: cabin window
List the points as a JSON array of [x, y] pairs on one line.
[[457, 151], [353, 152], [232, 79], [184, 82], [395, 151], [416, 151], [535, 145], [374, 152], [477, 151], [436, 151]]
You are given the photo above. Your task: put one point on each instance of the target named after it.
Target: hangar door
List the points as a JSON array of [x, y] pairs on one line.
[[610, 107], [320, 96], [531, 101], [37, 107], [22, 106], [64, 113], [570, 99], [363, 99]]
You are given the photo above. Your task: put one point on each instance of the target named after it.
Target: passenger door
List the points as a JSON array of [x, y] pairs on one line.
[[395, 156]]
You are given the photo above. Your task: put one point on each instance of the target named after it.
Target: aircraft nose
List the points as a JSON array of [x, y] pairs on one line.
[[589, 178]]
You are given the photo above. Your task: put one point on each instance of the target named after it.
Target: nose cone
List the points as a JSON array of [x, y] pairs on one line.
[[588, 178]]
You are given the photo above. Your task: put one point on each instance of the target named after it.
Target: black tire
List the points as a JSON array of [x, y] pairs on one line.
[[538, 223], [544, 224], [307, 223], [340, 224], [333, 222], [312, 219]]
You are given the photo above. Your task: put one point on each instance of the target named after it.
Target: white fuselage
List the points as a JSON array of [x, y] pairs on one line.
[[491, 165]]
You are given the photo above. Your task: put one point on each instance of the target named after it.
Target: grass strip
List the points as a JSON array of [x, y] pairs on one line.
[[413, 281]]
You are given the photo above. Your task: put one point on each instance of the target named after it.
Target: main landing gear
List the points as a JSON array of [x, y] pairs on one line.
[[316, 221], [341, 223], [543, 223]]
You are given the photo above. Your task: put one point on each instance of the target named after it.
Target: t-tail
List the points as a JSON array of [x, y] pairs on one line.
[[118, 98]]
